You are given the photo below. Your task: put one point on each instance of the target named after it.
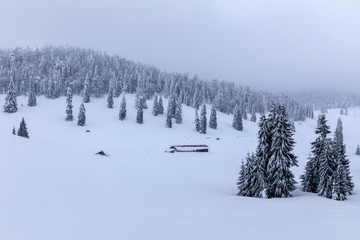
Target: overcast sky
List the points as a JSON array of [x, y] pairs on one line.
[[275, 45]]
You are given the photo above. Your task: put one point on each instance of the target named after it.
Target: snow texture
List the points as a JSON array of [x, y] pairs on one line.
[[53, 187]]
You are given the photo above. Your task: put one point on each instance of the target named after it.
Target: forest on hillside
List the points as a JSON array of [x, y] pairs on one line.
[[51, 70]]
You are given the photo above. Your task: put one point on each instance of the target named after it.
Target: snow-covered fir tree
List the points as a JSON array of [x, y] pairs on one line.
[[237, 120], [243, 112], [122, 111], [203, 119], [86, 89], [241, 180], [140, 111], [178, 113], [32, 97], [22, 131], [172, 106], [197, 121], [10, 105], [280, 179], [155, 110], [310, 179], [168, 119], [327, 166], [253, 117], [13, 131], [69, 106], [341, 158], [81, 116], [339, 186], [263, 152], [110, 98], [245, 180], [161, 106], [213, 118], [357, 150]]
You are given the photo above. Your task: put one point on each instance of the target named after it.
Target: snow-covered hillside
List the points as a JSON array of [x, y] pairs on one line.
[[53, 187]]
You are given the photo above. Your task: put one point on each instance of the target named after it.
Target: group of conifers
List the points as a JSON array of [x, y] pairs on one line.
[[266, 173]]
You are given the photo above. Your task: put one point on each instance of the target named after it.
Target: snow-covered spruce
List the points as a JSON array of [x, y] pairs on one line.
[[357, 152], [168, 119], [246, 177], [178, 113], [213, 118], [69, 106], [253, 117], [13, 131], [32, 97], [280, 179], [22, 131], [197, 121], [203, 119], [110, 98], [310, 179], [140, 111], [86, 89], [155, 110], [10, 105], [263, 156], [122, 111], [237, 120], [342, 159], [161, 106], [81, 116]]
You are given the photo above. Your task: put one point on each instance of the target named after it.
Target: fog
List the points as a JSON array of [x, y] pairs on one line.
[[266, 44]]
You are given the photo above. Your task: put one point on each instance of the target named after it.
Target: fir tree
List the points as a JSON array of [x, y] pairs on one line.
[[213, 118], [81, 116], [161, 106], [172, 106], [69, 106], [340, 156], [263, 156], [22, 131], [203, 119], [122, 112], [243, 112], [326, 168], [168, 119], [14, 131], [310, 179], [110, 98], [32, 97], [155, 110], [140, 111], [245, 181], [197, 121], [241, 180], [357, 150], [280, 179], [253, 117], [178, 113], [237, 120], [10, 105], [86, 89], [339, 183]]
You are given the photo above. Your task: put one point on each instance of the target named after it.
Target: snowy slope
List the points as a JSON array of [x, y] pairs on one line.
[[53, 187]]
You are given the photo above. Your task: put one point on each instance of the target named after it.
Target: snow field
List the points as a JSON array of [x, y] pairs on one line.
[[53, 187]]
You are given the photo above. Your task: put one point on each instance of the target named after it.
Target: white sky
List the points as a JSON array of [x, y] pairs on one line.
[[276, 45]]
